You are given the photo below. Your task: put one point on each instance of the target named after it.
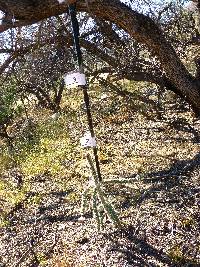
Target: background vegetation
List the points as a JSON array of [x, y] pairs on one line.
[[146, 134]]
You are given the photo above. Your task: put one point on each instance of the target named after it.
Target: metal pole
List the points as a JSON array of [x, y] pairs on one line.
[[75, 27]]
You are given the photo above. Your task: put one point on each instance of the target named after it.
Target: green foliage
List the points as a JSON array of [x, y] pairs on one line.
[[10, 106], [3, 222], [34, 200], [187, 222], [5, 160], [11, 197], [177, 255], [47, 149], [42, 259], [44, 153], [72, 197]]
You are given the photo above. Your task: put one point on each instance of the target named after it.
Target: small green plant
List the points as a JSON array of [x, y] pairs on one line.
[[187, 222], [4, 222], [34, 200], [42, 259], [12, 196], [176, 254], [100, 203], [72, 197]]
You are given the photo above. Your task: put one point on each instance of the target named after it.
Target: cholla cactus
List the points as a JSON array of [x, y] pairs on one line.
[[99, 199]]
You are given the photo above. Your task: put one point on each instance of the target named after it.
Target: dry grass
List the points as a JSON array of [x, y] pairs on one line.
[[161, 204]]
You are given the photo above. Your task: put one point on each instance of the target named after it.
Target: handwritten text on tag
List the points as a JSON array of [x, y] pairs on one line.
[[75, 79], [87, 140]]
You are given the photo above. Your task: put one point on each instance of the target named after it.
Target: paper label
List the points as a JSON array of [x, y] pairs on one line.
[[75, 79], [87, 140]]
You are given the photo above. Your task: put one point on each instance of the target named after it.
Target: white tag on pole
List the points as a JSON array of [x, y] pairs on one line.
[[75, 79], [87, 140]]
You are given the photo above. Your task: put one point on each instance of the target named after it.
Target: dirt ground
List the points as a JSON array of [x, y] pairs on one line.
[[159, 208]]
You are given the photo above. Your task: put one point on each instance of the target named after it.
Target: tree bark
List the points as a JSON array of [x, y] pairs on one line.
[[139, 26]]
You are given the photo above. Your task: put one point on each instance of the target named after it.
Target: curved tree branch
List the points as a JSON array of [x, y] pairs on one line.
[[142, 28]]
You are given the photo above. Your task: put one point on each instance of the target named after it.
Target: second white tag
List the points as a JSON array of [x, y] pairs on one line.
[[87, 140]]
